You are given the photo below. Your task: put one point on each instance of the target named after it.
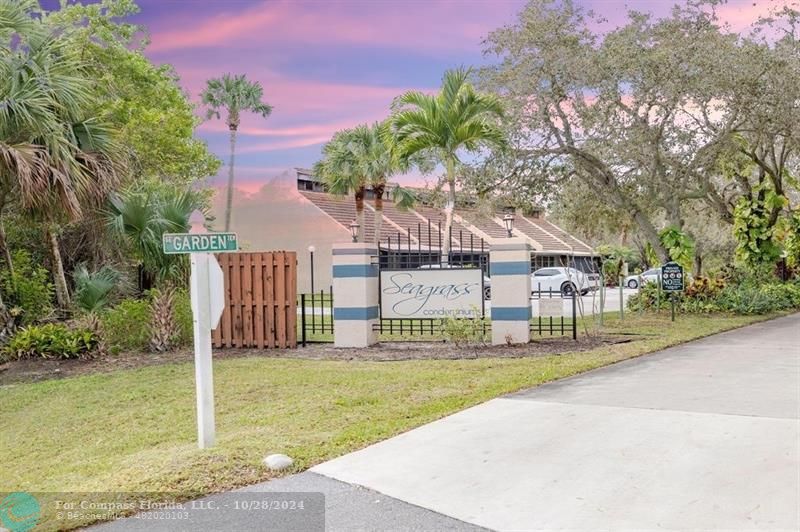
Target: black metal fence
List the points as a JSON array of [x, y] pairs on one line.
[[316, 317], [399, 252], [555, 325]]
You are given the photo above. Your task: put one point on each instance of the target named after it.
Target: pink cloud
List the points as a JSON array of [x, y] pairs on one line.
[[741, 14], [445, 25]]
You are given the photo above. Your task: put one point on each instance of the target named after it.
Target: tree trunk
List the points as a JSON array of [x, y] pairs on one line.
[[229, 197], [7, 325], [6, 251], [362, 231], [698, 264], [448, 210], [378, 189], [59, 278]]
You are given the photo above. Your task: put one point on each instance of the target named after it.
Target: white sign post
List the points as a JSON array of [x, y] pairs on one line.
[[208, 301]]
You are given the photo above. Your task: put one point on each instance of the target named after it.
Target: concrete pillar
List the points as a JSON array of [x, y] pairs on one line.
[[355, 294], [510, 270]]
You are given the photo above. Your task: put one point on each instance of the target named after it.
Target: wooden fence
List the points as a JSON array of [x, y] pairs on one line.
[[260, 300]]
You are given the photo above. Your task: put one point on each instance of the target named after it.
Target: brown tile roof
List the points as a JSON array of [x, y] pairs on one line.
[[400, 228]]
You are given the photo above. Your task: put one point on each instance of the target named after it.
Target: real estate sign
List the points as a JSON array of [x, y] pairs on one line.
[[450, 292], [672, 277], [175, 243]]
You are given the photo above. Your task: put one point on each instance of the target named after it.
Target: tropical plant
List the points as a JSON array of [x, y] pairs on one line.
[[234, 94], [51, 340], [140, 219], [360, 158], [94, 290], [56, 154], [679, 246], [456, 119], [28, 289]]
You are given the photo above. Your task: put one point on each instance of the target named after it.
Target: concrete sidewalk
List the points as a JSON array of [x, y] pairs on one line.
[[700, 436]]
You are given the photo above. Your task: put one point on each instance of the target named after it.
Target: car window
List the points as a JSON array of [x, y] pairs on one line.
[[545, 272], [653, 271]]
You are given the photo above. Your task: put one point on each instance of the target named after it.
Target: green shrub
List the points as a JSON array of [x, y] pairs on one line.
[[464, 331], [183, 317], [752, 298], [29, 289], [127, 325], [51, 340]]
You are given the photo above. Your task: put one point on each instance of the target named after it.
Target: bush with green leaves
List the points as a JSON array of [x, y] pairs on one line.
[[127, 325], [737, 294], [51, 340], [29, 290], [95, 290], [183, 316], [465, 331]]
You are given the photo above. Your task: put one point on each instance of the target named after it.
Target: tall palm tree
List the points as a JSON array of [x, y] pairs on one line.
[[456, 119], [234, 94], [56, 157]]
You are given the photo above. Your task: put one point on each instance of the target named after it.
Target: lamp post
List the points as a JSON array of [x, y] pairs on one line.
[[311, 250], [508, 221], [354, 230]]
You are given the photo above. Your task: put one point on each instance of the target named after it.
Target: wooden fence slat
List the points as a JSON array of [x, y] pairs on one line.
[[291, 298], [269, 308], [227, 315], [258, 299], [280, 296], [236, 301], [247, 299]]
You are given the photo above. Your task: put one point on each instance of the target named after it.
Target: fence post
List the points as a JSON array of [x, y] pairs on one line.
[[574, 317], [621, 299], [355, 292], [510, 265], [303, 319], [602, 296]]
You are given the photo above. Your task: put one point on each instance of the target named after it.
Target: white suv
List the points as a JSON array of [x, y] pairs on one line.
[[560, 280]]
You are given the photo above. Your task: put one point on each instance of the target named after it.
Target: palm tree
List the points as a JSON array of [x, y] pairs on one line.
[[140, 219], [458, 118], [339, 170], [234, 94], [56, 157], [360, 158]]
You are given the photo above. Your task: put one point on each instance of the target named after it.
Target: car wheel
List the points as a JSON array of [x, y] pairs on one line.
[[487, 292], [567, 289], [633, 283]]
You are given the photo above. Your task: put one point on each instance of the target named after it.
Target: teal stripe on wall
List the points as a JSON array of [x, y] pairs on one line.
[[355, 270], [511, 313], [510, 268], [355, 313]]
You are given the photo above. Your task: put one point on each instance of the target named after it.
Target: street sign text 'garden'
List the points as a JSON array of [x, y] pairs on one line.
[[174, 243]]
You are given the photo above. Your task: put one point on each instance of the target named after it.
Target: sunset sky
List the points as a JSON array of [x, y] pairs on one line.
[[327, 65]]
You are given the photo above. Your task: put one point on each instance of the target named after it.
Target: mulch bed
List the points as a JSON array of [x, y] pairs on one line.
[[30, 370]]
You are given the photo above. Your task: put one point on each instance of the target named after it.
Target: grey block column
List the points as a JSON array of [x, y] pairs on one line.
[[355, 294], [510, 269]]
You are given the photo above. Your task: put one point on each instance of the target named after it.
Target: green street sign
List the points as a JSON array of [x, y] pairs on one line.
[[176, 243], [672, 277]]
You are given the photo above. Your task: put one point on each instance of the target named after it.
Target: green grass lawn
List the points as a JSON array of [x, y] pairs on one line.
[[134, 430]]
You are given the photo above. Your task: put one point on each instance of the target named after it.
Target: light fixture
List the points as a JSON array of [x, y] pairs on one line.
[[508, 220], [354, 230], [311, 249]]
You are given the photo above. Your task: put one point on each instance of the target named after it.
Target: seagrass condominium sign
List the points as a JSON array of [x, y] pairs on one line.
[[432, 293]]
